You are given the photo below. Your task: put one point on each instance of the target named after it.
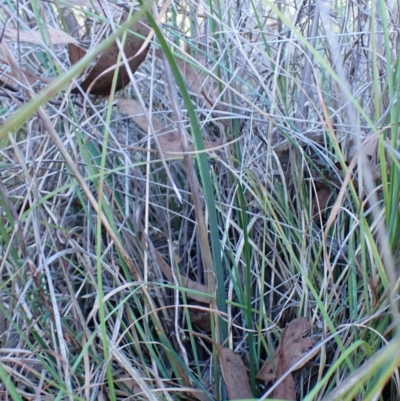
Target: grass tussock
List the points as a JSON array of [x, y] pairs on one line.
[[246, 176]]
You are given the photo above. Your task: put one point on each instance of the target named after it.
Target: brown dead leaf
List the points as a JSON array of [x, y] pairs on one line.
[[296, 347], [235, 374], [369, 146], [233, 371], [99, 79], [186, 281], [75, 53], [57, 36], [286, 390], [268, 369], [170, 142], [200, 319], [319, 202]]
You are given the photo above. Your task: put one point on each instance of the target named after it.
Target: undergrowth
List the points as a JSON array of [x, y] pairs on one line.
[[285, 204]]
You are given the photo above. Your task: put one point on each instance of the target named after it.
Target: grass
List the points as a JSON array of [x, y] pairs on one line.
[[294, 213]]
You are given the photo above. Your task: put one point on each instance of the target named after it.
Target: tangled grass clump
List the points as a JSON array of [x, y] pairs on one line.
[[247, 175]]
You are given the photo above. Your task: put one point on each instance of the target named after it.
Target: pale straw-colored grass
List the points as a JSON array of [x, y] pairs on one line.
[[281, 109]]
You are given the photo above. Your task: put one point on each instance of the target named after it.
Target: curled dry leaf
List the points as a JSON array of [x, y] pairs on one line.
[[198, 395], [369, 146], [133, 109], [99, 79], [235, 374], [296, 346], [56, 36]]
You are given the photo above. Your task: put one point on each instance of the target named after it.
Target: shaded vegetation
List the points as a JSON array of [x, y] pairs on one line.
[[245, 174]]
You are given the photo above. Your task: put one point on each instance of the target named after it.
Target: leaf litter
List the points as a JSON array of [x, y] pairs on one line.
[[56, 36], [233, 371], [186, 281], [167, 136], [235, 374], [100, 77], [286, 390], [295, 344]]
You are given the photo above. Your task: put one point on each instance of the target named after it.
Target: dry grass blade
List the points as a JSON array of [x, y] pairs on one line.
[[99, 79], [98, 5], [294, 212]]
